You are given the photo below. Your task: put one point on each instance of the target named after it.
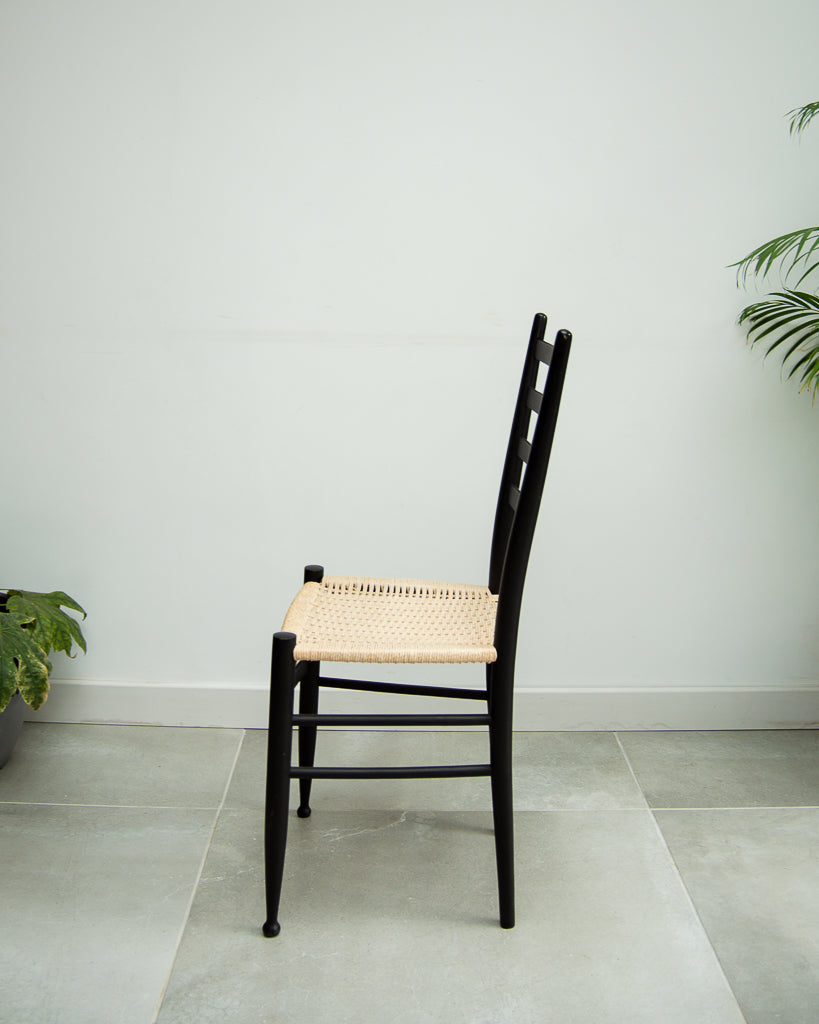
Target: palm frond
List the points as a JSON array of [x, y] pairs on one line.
[[795, 251], [801, 117], [787, 321], [788, 318]]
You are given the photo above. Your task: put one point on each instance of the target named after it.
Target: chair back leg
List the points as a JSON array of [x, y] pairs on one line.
[[500, 756], [308, 705]]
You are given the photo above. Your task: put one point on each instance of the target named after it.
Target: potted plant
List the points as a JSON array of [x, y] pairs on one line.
[[32, 625], [790, 317]]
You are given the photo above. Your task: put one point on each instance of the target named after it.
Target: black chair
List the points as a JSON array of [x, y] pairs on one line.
[[386, 620]]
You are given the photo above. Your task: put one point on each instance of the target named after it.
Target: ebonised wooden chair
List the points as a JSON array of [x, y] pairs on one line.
[[355, 619]]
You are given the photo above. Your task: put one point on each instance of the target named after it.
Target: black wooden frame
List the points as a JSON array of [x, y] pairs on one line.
[[522, 482]]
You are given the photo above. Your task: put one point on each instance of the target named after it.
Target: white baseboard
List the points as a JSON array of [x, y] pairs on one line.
[[588, 709]]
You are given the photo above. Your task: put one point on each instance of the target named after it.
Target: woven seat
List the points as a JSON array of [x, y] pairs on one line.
[[353, 618], [371, 620]]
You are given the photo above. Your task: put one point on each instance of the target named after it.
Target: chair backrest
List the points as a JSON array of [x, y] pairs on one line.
[[524, 472]]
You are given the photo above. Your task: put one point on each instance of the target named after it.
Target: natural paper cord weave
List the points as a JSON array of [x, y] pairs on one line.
[[353, 618]]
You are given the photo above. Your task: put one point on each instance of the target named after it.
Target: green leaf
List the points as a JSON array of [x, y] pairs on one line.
[[791, 252], [24, 665], [53, 629], [788, 317], [808, 271], [802, 117]]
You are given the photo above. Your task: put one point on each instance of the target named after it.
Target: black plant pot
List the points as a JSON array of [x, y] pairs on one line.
[[11, 722], [11, 717]]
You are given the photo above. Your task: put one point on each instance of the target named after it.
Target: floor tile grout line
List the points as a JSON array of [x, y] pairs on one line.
[[741, 807], [690, 900], [688, 897], [711, 807], [110, 807], [632, 771], [194, 888]]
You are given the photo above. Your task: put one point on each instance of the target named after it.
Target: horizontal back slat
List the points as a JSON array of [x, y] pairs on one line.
[[543, 352], [534, 400]]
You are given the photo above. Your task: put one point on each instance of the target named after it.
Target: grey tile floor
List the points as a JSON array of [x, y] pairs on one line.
[[665, 878]]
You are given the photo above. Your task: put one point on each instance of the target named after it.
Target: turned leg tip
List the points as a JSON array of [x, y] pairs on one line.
[[303, 812], [271, 930]]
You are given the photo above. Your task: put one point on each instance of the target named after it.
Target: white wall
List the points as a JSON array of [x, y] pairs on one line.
[[269, 269]]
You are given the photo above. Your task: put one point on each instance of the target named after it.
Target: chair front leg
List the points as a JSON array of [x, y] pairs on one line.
[[277, 794]]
